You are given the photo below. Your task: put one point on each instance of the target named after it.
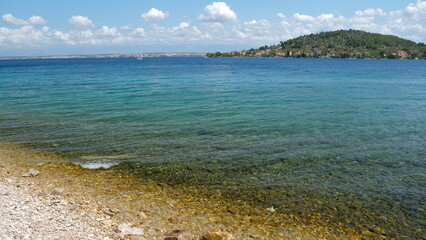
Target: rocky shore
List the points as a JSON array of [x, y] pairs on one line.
[[44, 198], [46, 215], [27, 214]]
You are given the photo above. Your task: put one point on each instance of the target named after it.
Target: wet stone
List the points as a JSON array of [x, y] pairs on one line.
[[58, 191], [135, 237], [142, 216], [271, 209], [178, 234], [31, 173], [41, 194], [218, 234], [126, 230], [110, 211]]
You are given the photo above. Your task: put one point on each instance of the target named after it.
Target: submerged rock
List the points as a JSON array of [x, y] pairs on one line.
[[41, 194], [31, 173], [142, 216], [218, 234], [126, 230], [271, 209], [110, 211], [58, 191], [178, 234]]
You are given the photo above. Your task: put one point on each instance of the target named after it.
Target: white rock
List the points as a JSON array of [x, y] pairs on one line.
[[31, 173], [271, 209], [127, 229]]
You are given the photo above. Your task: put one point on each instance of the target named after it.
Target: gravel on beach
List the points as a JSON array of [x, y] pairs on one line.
[[46, 216]]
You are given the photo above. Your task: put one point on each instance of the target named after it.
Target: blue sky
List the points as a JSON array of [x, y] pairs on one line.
[[47, 27]]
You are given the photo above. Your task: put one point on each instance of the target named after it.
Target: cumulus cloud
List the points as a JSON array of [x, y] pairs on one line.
[[81, 22], [370, 12], [182, 33], [24, 36], [416, 11], [408, 22], [34, 20], [280, 15], [28, 36], [218, 12], [303, 18], [108, 31], [139, 32], [261, 30], [9, 18], [212, 26], [37, 20], [154, 15], [126, 27]]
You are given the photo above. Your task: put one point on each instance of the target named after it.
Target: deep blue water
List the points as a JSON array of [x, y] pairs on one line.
[[321, 135]]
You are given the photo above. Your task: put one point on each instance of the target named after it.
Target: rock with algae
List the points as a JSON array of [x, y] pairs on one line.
[[218, 234], [179, 234]]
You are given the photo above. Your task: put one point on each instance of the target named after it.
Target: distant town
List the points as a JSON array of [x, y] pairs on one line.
[[337, 44], [118, 55]]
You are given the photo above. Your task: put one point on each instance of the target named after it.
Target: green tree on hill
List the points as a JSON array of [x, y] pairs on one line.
[[341, 43]]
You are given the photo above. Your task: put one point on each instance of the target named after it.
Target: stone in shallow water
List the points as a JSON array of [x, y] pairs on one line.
[[58, 191], [126, 230], [178, 234], [218, 234], [142, 216], [41, 194], [271, 209], [31, 173], [110, 211]]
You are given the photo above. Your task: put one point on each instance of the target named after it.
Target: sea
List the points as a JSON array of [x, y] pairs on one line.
[[341, 138]]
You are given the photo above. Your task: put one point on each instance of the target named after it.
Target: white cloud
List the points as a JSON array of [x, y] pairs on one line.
[[416, 11], [280, 15], [9, 18], [261, 30], [303, 18], [182, 33], [139, 32], [34, 20], [154, 15], [62, 37], [81, 22], [86, 33], [108, 31], [370, 13], [409, 22], [25, 36], [212, 26], [37, 20], [126, 27], [218, 12]]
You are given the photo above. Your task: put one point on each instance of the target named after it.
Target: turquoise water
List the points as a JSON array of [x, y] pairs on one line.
[[345, 139]]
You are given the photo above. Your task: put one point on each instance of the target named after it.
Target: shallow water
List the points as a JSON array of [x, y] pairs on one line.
[[339, 140]]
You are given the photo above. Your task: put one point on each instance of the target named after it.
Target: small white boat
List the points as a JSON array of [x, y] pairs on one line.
[[140, 56]]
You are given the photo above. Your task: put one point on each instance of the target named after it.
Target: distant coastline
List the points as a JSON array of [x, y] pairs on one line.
[[337, 44], [116, 55]]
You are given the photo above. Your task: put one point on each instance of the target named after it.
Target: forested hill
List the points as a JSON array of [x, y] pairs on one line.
[[338, 44]]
